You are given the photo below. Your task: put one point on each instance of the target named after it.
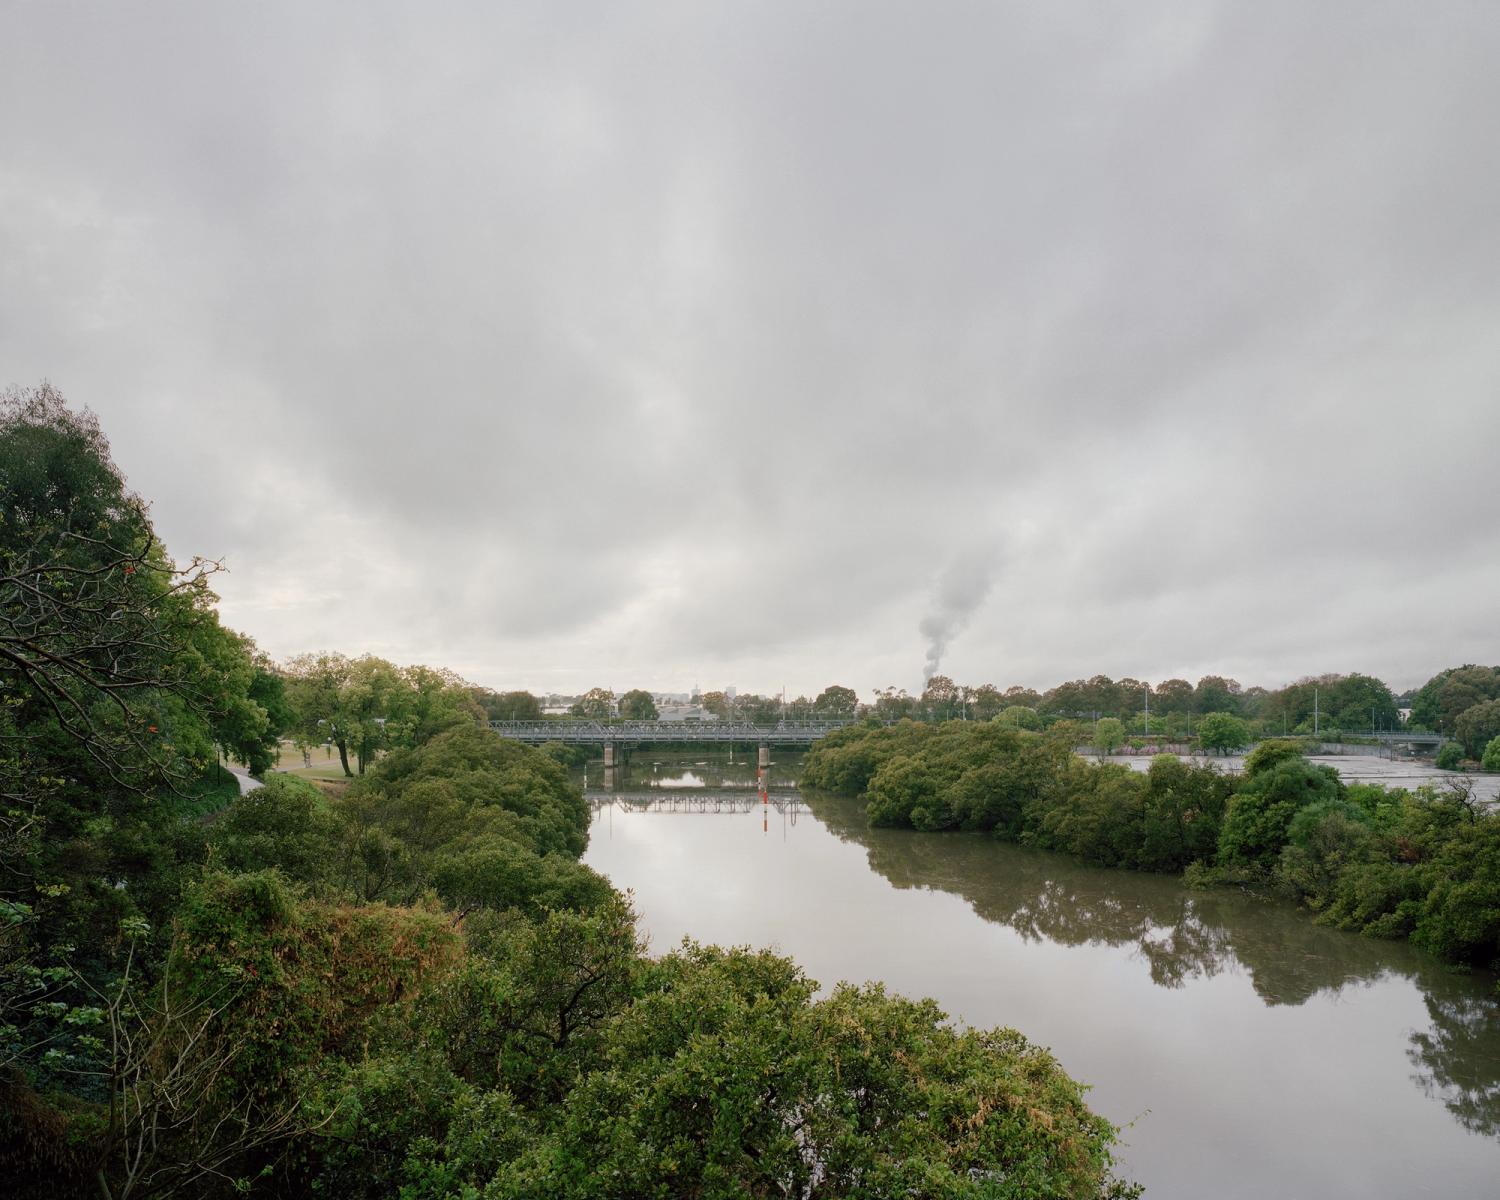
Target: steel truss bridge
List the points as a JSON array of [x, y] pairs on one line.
[[663, 800], [646, 733]]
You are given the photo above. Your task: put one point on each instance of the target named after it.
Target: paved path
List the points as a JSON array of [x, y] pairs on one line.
[[246, 781]]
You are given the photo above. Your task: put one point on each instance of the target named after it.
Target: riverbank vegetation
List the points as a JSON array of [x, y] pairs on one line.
[[409, 984], [1423, 865]]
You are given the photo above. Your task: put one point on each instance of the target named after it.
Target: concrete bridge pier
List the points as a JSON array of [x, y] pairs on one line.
[[765, 756], [609, 756]]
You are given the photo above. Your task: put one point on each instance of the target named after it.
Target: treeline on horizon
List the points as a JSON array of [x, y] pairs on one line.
[[1460, 702], [1388, 862], [406, 984]]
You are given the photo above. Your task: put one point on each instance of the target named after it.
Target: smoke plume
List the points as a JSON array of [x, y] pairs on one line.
[[961, 589]]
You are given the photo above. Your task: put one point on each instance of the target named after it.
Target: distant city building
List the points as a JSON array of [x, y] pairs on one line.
[[731, 692]]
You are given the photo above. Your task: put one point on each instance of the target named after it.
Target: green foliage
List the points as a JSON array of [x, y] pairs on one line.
[[1450, 756], [724, 1077], [1324, 840], [836, 701], [1222, 731], [1269, 753], [598, 703], [1477, 726], [364, 706], [285, 824], [212, 791], [1099, 817], [1491, 759], [1449, 694], [1260, 815], [118, 685], [638, 705], [1183, 809], [1109, 735], [1353, 702], [508, 706], [294, 984], [1017, 716], [1460, 915], [483, 821]]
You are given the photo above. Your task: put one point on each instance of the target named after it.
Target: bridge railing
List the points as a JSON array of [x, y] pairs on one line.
[[583, 730]]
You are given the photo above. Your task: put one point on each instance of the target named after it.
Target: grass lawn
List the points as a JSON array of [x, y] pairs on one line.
[[324, 764]]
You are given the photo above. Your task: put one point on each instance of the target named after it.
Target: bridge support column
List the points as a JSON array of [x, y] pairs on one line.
[[609, 755], [765, 757]]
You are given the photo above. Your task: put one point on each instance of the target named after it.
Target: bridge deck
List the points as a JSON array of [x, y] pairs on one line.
[[639, 733]]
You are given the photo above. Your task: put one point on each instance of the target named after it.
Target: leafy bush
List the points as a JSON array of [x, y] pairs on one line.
[[1491, 759], [1450, 756], [1259, 817]]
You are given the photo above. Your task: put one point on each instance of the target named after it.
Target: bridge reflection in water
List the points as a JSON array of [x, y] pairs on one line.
[[615, 793], [680, 800]]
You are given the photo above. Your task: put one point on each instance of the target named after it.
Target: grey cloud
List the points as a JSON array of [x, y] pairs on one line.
[[680, 340]]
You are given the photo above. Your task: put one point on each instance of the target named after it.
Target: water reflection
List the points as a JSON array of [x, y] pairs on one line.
[[1458, 1060], [1182, 935], [1175, 936]]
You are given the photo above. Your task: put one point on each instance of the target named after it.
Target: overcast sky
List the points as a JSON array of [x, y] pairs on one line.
[[785, 344]]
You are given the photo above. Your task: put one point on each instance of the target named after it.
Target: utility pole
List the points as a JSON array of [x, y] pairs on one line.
[[1315, 712]]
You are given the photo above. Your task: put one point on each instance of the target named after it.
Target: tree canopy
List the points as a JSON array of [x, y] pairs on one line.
[[638, 705]]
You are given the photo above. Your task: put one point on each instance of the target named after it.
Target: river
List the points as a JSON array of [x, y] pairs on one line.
[[1248, 1051]]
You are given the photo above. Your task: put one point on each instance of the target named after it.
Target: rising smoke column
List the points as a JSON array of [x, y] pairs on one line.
[[961, 589]]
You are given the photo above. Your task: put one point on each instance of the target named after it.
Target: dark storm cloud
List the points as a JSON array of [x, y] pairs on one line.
[[674, 342]]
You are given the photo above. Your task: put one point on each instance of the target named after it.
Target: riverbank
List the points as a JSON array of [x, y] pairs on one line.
[[1247, 1050]]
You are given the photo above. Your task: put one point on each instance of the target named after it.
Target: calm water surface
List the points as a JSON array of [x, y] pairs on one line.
[[1249, 1051]]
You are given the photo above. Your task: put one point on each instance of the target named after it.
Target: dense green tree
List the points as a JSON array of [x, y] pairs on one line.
[[1491, 759], [1477, 726], [858, 1094], [905, 792], [1214, 694], [893, 704], [1109, 735], [716, 704], [1347, 702], [836, 701], [1023, 697], [483, 821], [1018, 717], [1085, 699], [1172, 696], [637, 705], [1450, 756], [1324, 839], [117, 683], [1260, 815], [941, 698], [1270, 752], [1444, 698], [1222, 731], [597, 703], [317, 688], [756, 710], [1182, 811], [1099, 817], [509, 706], [287, 824]]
